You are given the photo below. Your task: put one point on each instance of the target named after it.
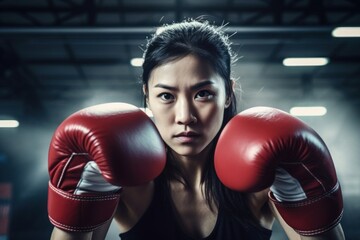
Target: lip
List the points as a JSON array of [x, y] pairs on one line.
[[187, 136]]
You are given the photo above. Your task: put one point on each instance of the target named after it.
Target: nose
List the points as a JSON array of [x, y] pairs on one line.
[[185, 113]]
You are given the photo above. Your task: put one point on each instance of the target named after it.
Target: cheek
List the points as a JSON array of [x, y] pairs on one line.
[[162, 121], [213, 118]]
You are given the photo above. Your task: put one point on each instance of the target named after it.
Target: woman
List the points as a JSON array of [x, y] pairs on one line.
[[187, 85]]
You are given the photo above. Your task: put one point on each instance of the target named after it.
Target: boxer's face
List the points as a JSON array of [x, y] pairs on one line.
[[188, 101]]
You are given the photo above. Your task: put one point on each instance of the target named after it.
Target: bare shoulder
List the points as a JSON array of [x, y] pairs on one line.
[[259, 205], [133, 203]]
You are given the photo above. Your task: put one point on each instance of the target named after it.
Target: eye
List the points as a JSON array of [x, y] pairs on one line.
[[204, 95], [166, 97]]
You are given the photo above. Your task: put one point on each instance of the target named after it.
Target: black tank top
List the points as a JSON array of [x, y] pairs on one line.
[[159, 222]]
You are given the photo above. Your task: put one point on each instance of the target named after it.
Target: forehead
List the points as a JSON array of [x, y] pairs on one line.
[[188, 69]]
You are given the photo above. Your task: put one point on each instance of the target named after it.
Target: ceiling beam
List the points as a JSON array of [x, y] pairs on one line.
[[146, 30]]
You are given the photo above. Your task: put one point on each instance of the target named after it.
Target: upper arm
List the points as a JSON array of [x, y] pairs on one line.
[[290, 232], [258, 203], [134, 201], [98, 234], [335, 233], [58, 234]]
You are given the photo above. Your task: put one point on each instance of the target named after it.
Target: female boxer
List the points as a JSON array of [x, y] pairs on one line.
[[187, 85]]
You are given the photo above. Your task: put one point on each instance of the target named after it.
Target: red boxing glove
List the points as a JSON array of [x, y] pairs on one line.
[[263, 147], [92, 154]]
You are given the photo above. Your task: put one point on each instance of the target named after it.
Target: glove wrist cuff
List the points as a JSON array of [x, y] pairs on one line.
[[312, 216], [80, 213]]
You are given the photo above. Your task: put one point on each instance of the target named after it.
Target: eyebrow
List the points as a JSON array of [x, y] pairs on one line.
[[194, 87]]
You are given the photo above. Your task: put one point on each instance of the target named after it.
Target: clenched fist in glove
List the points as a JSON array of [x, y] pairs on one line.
[[92, 154], [264, 147]]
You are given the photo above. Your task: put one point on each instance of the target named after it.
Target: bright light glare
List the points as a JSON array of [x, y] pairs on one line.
[[137, 62], [346, 32], [315, 61], [159, 30], [9, 124], [308, 111]]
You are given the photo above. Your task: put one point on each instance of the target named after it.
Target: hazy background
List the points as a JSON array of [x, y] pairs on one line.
[[58, 56]]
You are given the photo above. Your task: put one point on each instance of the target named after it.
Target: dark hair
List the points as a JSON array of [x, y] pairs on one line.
[[192, 37], [210, 44]]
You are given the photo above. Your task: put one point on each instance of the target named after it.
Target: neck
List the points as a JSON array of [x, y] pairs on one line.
[[192, 168]]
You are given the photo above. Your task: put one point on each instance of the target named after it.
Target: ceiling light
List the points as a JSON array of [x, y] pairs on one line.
[[297, 62], [308, 111], [137, 62], [346, 32], [9, 124]]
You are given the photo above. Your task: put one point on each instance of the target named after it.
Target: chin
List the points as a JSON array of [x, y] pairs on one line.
[[189, 151], [186, 152]]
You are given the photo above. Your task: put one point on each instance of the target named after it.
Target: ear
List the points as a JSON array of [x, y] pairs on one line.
[[146, 95], [229, 98], [144, 88], [233, 85], [228, 102]]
